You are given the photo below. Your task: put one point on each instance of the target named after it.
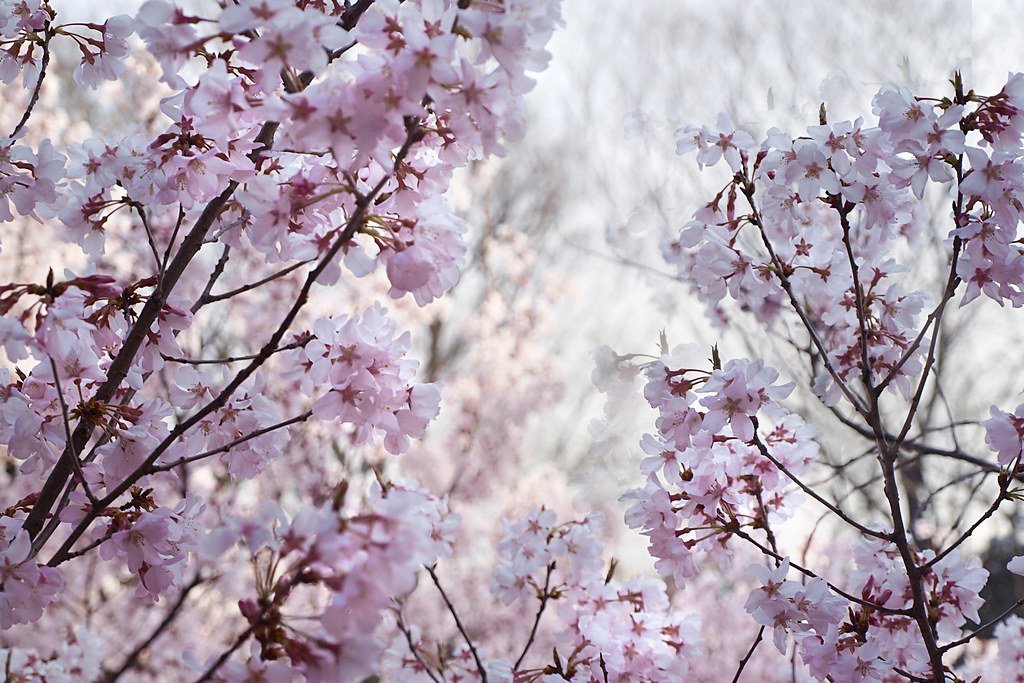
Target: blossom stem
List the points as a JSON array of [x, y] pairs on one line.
[[43, 67], [458, 623], [544, 597]]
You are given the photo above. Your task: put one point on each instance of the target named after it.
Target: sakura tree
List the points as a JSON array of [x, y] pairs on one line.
[[295, 141], [812, 236], [225, 461]]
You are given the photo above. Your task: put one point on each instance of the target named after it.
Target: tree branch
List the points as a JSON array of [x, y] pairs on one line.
[[458, 623]]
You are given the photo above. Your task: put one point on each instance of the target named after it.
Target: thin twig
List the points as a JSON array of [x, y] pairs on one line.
[[92, 546], [750, 653], [412, 647], [544, 597], [210, 298], [775, 548], [818, 497], [67, 431], [458, 623], [239, 641], [810, 574], [984, 627], [1004, 489], [141, 210], [218, 270], [234, 359], [228, 446], [43, 65], [174, 237], [862, 311], [132, 659]]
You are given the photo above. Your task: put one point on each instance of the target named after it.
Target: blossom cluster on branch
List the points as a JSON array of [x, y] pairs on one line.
[[817, 233], [294, 141]]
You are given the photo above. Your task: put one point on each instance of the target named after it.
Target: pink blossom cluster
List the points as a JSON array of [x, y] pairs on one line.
[[427, 253], [793, 245], [150, 389], [951, 585], [597, 627], [75, 656], [152, 542], [28, 179], [27, 26], [65, 326], [415, 61], [536, 542], [630, 627], [723, 461], [1009, 662], [619, 630], [26, 588], [816, 233], [200, 404], [820, 219], [355, 562], [361, 360], [871, 639]]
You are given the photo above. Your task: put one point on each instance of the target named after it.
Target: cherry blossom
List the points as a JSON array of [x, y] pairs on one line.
[[226, 460], [812, 233], [27, 588], [302, 138]]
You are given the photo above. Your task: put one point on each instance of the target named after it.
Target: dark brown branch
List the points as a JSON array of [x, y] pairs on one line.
[[775, 548], [458, 623], [351, 16], [545, 595], [124, 359], [173, 238], [208, 298], [190, 246], [44, 63], [915, 574], [887, 456], [930, 361], [414, 133], [750, 653], [133, 658]]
